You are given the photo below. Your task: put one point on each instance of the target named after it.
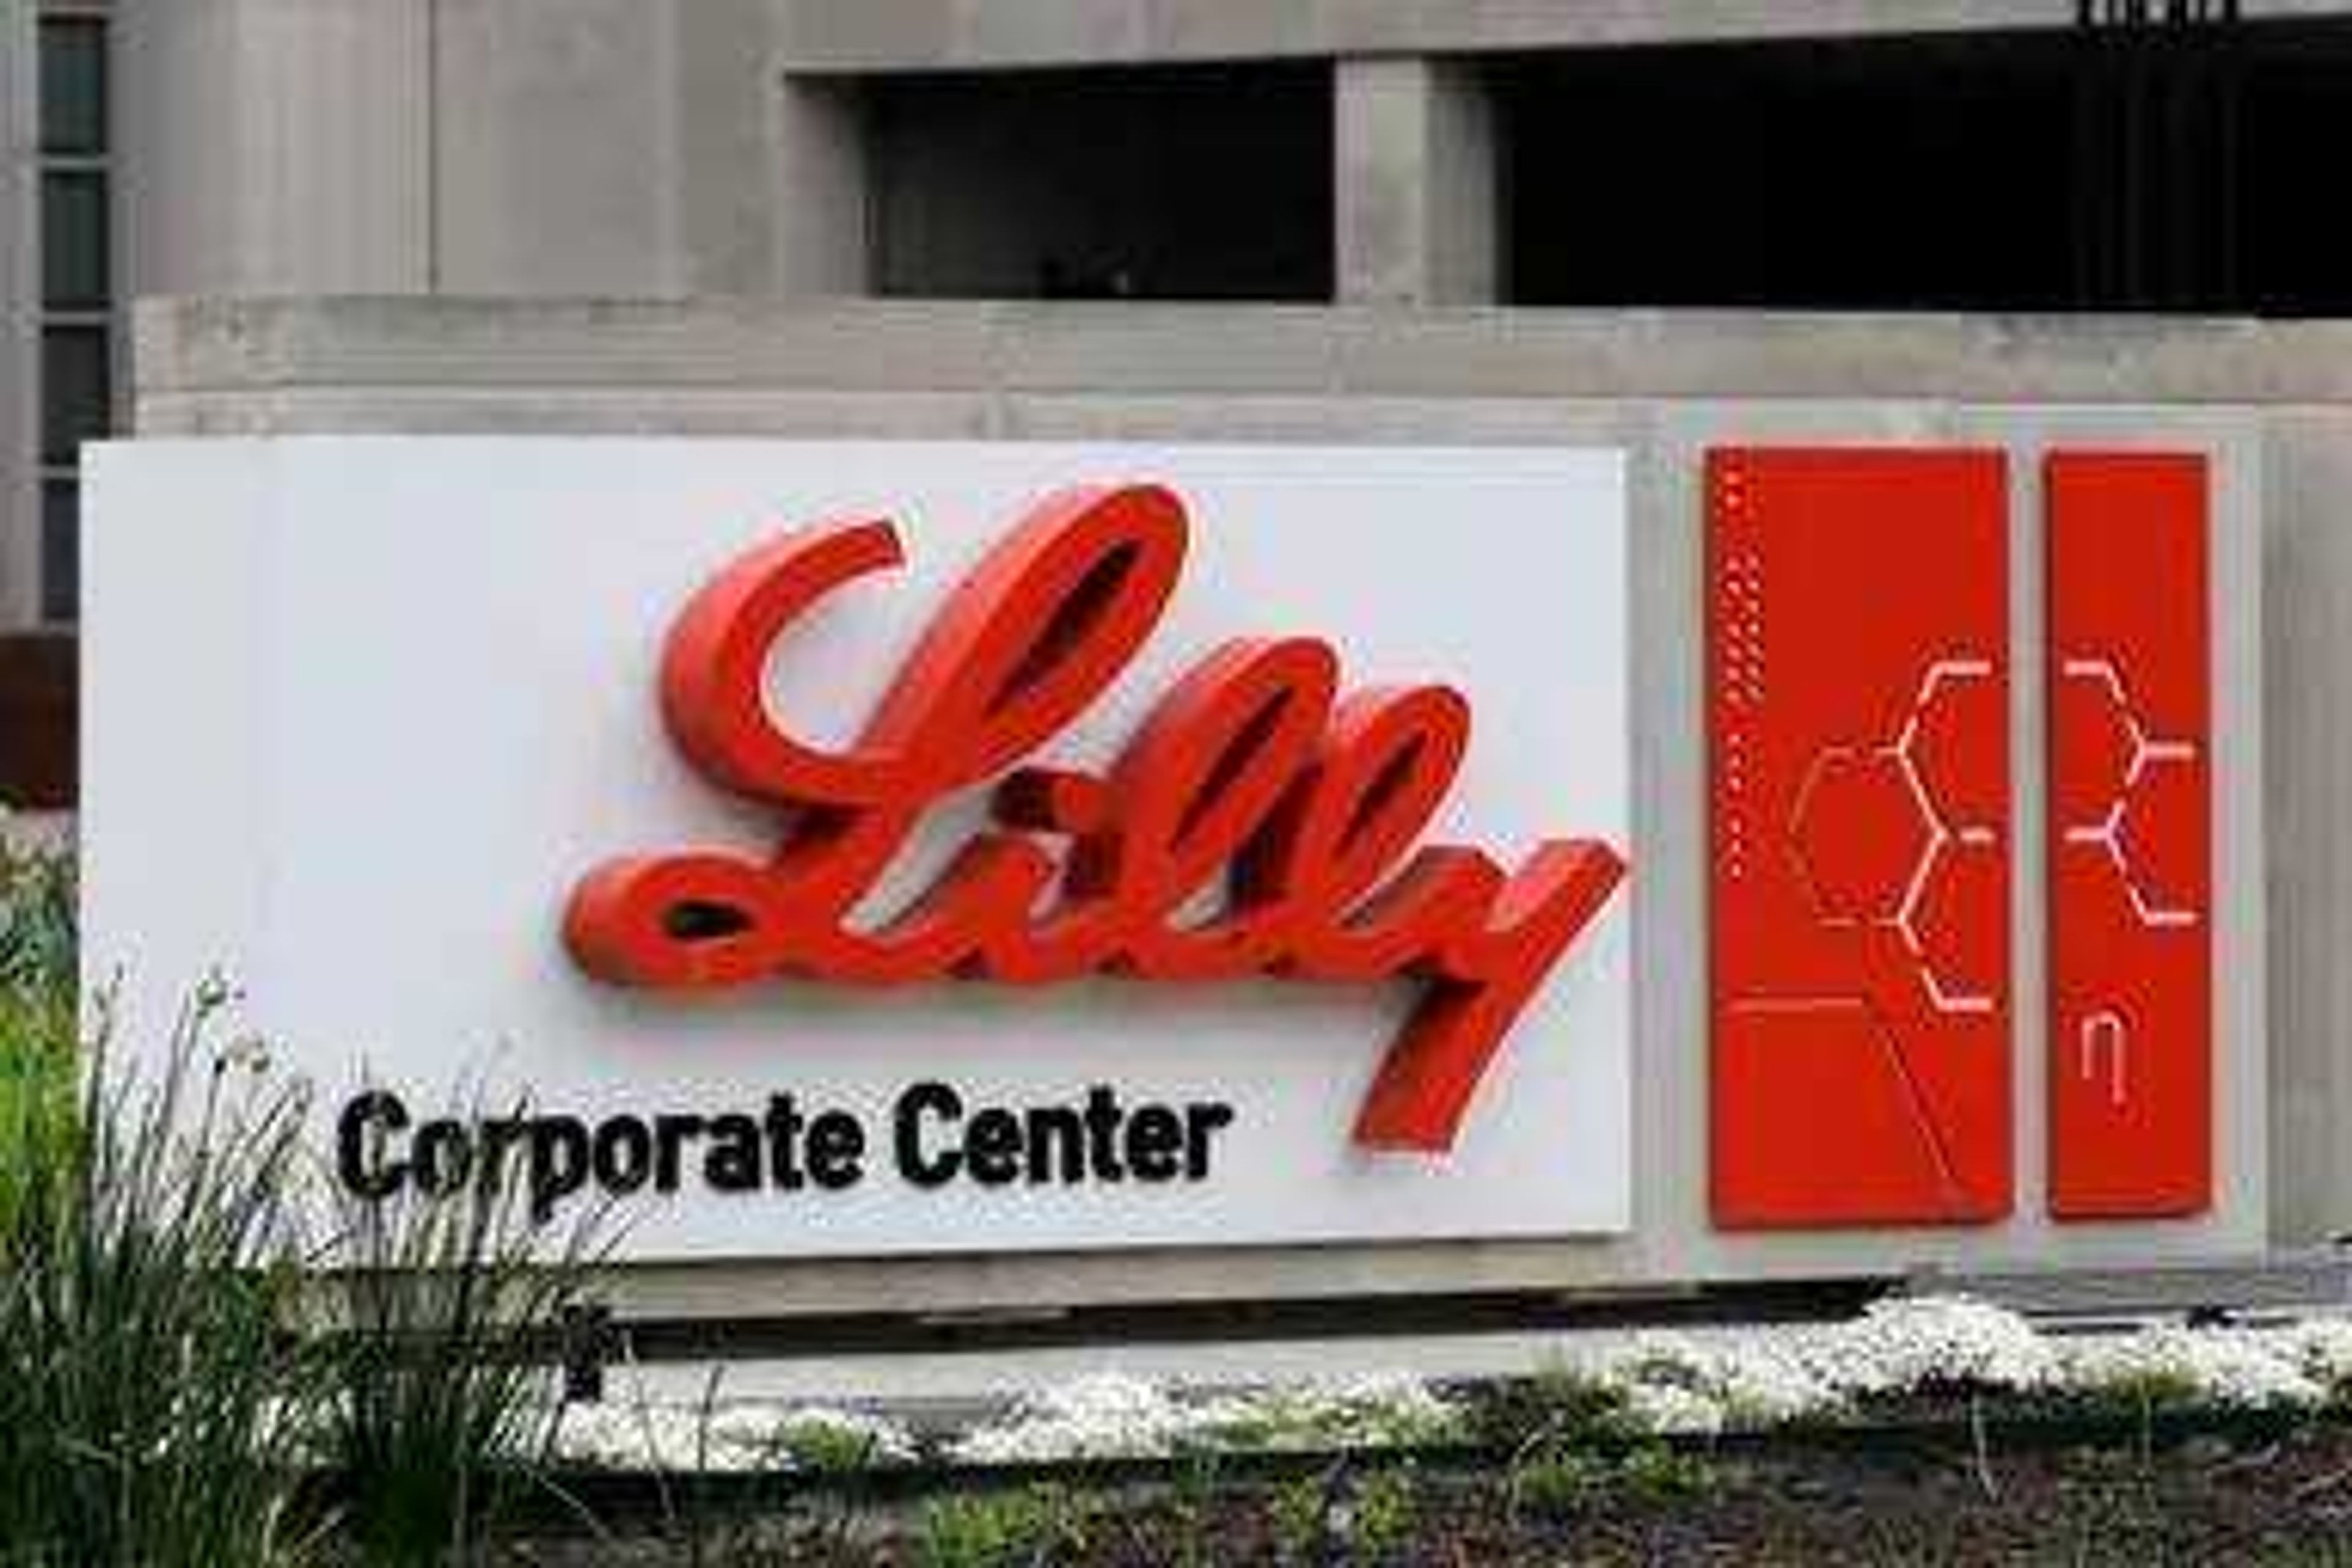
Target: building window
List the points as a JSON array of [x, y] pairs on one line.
[[73, 85], [73, 240], [77, 311], [1168, 183], [2166, 160], [61, 558]]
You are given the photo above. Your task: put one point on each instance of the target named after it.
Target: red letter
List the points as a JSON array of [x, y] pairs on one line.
[[1031, 635]]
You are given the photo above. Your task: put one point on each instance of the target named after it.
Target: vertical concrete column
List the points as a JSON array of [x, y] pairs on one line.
[[1417, 179], [20, 257], [2307, 614], [274, 146], [637, 147], [823, 216], [724, 140], [555, 160]]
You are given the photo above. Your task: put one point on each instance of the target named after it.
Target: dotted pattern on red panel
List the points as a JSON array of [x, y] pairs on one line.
[[1858, 795]]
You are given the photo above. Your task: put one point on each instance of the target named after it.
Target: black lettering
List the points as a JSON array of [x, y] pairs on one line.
[[500, 1137], [836, 1151], [991, 1146], [1202, 1122], [360, 1136], [670, 1133], [623, 1154], [731, 1163], [559, 1162], [1155, 1136], [783, 1128], [1103, 1117], [1057, 1137], [443, 1157], [932, 1099]]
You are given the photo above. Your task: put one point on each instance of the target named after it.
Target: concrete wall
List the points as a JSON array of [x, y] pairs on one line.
[[1417, 178], [487, 147], [274, 146], [677, 148], [938, 35], [669, 148], [2273, 404], [20, 285]]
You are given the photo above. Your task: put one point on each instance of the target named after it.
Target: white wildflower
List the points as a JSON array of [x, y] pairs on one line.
[[1911, 1343], [2320, 1347], [1751, 1380], [621, 1436], [818, 1436], [735, 1435], [1666, 1407], [1377, 1410], [2231, 1367], [1769, 1383], [1107, 1415]]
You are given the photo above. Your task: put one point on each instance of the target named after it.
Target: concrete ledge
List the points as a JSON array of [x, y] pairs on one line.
[[2288, 1282], [244, 347], [938, 35]]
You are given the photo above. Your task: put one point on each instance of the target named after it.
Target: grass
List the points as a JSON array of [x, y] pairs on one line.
[[151, 1399], [995, 1530], [174, 1378], [443, 1310]]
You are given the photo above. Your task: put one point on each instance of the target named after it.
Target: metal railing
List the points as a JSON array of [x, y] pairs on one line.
[[2155, 13]]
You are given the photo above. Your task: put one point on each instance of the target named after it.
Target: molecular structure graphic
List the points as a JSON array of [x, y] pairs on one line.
[[2110, 835], [1874, 843]]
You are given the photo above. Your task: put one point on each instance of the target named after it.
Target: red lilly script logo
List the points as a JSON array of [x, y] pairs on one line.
[[1253, 767]]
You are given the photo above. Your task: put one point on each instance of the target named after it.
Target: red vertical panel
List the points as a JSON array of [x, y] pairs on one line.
[[2131, 968], [1858, 790]]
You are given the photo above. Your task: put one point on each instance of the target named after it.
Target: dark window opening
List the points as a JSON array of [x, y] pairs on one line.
[[73, 85], [2114, 167], [76, 391], [76, 316], [73, 240], [60, 550], [1206, 182]]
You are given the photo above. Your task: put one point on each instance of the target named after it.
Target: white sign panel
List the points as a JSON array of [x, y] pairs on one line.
[[428, 745]]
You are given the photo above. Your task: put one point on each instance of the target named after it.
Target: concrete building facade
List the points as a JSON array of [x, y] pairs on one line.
[[1653, 223]]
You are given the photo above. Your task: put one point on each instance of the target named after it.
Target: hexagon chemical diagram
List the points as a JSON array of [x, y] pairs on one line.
[[2131, 962], [1897, 901], [1858, 726]]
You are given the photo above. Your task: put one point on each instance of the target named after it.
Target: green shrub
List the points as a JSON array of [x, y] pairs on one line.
[[444, 1310], [832, 1448], [1557, 1483], [1656, 1473], [1386, 1506], [166, 1378], [1300, 1514], [1192, 1507], [1371, 1412], [989, 1530], [1552, 1407], [39, 1029], [38, 932], [152, 1408]]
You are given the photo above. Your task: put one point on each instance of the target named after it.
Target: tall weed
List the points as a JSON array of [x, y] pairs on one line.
[[445, 1311], [152, 1406], [176, 1371]]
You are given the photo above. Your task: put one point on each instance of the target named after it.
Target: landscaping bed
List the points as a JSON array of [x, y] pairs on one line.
[[2233, 1492], [181, 1385], [1931, 1430]]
